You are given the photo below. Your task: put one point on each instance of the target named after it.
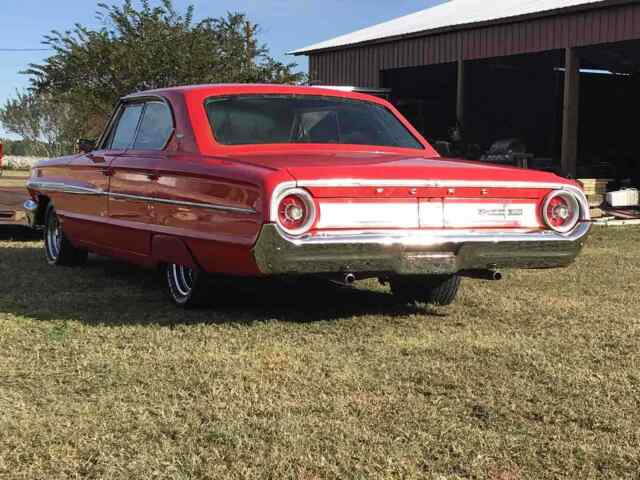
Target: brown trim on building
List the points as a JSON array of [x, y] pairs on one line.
[[468, 26]]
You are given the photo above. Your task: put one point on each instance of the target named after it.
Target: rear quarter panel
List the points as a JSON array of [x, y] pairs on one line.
[[223, 228]]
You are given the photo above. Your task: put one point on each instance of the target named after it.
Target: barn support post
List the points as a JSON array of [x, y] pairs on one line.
[[570, 113], [461, 94]]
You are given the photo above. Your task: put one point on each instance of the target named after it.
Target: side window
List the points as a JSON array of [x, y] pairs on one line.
[[155, 128], [124, 132]]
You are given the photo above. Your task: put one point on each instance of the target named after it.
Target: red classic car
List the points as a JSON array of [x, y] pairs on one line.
[[260, 180]]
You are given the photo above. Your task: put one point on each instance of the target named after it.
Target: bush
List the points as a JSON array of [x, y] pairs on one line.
[[12, 162]]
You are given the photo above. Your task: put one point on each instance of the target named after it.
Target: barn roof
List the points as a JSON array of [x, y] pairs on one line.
[[449, 15]]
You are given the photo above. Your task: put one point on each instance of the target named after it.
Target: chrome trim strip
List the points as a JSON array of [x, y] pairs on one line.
[[182, 203], [63, 188], [429, 238], [358, 182], [76, 190]]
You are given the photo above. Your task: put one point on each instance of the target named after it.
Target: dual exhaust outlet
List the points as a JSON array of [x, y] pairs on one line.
[[489, 275], [349, 279]]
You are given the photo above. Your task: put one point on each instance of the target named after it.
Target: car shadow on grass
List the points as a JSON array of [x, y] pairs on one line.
[[18, 233], [108, 292]]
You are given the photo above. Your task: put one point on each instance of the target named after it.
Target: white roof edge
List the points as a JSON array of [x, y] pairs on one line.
[[451, 13]]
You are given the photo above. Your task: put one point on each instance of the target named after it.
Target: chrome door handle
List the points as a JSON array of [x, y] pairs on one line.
[[108, 172]]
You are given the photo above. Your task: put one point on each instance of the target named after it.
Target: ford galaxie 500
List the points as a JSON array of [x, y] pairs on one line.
[[260, 180]]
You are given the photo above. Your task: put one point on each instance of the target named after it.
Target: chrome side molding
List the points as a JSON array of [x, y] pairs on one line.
[[181, 203], [78, 190], [362, 182], [63, 188]]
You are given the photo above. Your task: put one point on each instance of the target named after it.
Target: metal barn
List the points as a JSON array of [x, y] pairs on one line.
[[561, 75]]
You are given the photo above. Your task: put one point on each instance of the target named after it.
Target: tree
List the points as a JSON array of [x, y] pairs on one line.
[[139, 48], [14, 147], [42, 123]]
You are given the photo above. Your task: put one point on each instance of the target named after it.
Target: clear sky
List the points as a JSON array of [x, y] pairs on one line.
[[286, 24]]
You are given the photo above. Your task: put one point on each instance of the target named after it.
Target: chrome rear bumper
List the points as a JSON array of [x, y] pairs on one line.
[[412, 253]]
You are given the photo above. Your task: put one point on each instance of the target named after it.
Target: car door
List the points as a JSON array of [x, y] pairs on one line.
[[89, 176], [133, 184]]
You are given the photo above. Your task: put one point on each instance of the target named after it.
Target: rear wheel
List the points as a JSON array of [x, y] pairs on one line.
[[186, 286], [57, 247], [436, 289]]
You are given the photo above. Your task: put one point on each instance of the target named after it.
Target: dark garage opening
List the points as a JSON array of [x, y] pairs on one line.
[[609, 145], [522, 97], [426, 96]]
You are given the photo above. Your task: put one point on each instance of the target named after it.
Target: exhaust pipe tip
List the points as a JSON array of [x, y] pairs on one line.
[[349, 278], [491, 275]]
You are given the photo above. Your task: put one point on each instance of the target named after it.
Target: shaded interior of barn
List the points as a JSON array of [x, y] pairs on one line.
[[521, 97]]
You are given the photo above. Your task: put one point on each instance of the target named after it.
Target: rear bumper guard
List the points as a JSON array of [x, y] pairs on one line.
[[413, 253]]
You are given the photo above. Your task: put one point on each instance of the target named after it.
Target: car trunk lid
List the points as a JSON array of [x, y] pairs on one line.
[[379, 190]]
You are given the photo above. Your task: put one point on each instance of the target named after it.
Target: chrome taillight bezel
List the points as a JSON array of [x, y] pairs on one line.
[[310, 204], [574, 203]]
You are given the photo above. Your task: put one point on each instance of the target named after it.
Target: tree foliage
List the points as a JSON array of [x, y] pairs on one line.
[[15, 147], [138, 47], [44, 125]]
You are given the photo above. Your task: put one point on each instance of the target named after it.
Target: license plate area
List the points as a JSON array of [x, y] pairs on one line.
[[369, 214]]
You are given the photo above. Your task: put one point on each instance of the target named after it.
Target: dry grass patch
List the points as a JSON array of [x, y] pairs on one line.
[[14, 178], [535, 377]]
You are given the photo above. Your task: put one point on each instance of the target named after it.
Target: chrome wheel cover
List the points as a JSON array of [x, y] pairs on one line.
[[182, 279], [54, 237]]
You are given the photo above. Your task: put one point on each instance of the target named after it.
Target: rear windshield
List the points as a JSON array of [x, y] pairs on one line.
[[273, 119]]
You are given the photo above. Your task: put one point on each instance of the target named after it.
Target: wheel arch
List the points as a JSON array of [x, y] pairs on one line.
[[41, 213], [166, 249]]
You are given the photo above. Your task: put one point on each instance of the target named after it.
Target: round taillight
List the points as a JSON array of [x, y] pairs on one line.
[[296, 211], [561, 211]]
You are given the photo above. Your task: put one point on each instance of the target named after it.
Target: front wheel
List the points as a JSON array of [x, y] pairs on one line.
[[186, 286], [435, 289], [57, 247]]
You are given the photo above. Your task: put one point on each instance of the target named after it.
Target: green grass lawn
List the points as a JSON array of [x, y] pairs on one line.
[[534, 377]]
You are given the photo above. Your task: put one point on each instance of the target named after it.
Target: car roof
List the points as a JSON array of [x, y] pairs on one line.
[[256, 88]]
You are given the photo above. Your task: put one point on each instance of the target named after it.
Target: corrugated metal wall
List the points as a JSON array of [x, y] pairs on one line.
[[362, 65]]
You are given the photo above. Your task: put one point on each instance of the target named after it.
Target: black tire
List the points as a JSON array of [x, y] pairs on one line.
[[58, 249], [187, 287], [436, 289]]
